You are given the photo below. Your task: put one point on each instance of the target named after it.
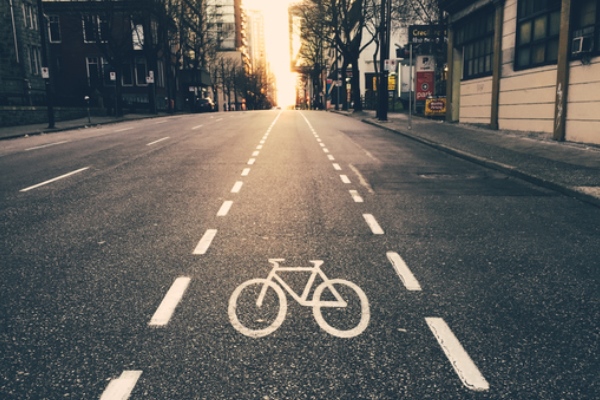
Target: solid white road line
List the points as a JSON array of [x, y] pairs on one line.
[[158, 141], [373, 224], [205, 242], [237, 187], [165, 310], [53, 180], [46, 145], [246, 171], [362, 179], [224, 208], [197, 127], [345, 179], [464, 366], [406, 276], [123, 129], [120, 388], [337, 167], [356, 197]]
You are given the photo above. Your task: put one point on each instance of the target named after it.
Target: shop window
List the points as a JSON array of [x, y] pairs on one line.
[[585, 28], [476, 37], [538, 28]]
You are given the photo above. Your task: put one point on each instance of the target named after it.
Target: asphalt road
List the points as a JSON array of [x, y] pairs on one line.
[[125, 249]]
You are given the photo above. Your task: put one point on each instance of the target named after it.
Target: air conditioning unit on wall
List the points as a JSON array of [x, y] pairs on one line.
[[582, 45]]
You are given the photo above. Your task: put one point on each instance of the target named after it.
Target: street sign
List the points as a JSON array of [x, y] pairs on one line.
[[418, 34], [389, 64], [45, 73], [150, 77], [113, 76]]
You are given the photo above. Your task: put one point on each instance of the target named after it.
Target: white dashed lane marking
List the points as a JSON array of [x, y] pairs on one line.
[[224, 210], [205, 242], [54, 179], [165, 310], [345, 179], [237, 187], [373, 224], [356, 197], [405, 274], [337, 167], [120, 388], [158, 141], [464, 366], [246, 171]]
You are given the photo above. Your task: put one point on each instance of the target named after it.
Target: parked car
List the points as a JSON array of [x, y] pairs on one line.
[[204, 105]]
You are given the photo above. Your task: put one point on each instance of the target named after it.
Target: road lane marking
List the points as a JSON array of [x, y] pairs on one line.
[[53, 180], [165, 310], [361, 179], [158, 141], [262, 142], [121, 388], [337, 167], [373, 224], [356, 197], [123, 129], [246, 171], [319, 140], [464, 366], [259, 147], [344, 179], [405, 274], [46, 145], [255, 154], [331, 158], [197, 127], [325, 150], [237, 187], [224, 210], [205, 242], [251, 161]]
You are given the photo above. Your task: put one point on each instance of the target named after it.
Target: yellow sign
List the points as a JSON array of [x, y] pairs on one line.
[[435, 107], [392, 82]]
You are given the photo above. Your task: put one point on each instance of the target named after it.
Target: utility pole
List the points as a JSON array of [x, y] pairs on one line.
[[45, 64], [383, 55]]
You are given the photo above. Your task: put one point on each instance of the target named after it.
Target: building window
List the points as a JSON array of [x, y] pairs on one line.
[[585, 28], [538, 28], [95, 28], [476, 37], [127, 77], [35, 60], [93, 69], [29, 16], [54, 29], [141, 71]]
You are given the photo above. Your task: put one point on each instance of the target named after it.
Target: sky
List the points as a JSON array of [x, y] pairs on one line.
[[277, 45]]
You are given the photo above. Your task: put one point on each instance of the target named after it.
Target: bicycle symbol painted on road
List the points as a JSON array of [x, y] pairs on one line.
[[255, 296]]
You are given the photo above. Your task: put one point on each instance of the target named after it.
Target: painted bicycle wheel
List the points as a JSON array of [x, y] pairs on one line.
[[251, 318], [356, 301]]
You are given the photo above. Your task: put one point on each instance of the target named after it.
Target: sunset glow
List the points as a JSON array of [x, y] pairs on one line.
[[277, 45]]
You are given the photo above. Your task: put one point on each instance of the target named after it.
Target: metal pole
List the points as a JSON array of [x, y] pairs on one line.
[[45, 63], [410, 85], [383, 55]]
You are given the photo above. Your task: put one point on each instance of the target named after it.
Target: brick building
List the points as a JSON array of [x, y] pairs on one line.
[[21, 82]]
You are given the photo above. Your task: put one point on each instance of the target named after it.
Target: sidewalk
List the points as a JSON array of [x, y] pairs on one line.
[[570, 168], [9, 132]]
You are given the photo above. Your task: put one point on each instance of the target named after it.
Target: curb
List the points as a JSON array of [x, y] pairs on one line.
[[505, 168]]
